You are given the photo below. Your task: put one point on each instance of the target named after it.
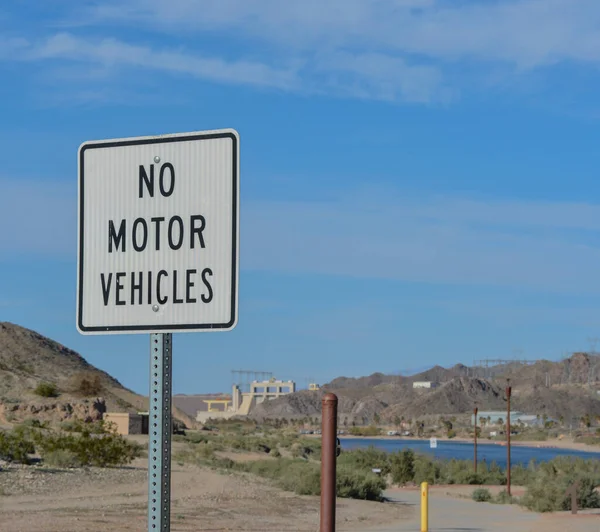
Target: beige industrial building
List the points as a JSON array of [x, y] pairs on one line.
[[128, 423], [241, 403]]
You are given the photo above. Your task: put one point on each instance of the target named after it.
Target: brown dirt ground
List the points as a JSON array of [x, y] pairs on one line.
[[37, 499]]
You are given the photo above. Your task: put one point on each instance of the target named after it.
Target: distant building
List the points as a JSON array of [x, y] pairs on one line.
[[243, 402], [127, 423], [425, 384]]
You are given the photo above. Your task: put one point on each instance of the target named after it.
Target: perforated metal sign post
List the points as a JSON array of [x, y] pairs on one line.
[[159, 253], [160, 428]]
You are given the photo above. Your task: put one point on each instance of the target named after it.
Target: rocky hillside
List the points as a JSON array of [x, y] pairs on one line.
[[28, 359], [566, 389]]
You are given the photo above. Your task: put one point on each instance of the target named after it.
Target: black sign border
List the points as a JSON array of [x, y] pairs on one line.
[[234, 237]]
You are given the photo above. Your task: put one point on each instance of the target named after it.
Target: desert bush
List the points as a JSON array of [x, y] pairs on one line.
[[356, 484], [275, 453], [62, 458], [402, 466], [100, 450], [304, 478], [546, 490], [587, 496], [504, 498], [16, 446], [520, 475], [46, 389], [196, 437], [86, 383], [366, 460], [302, 449], [371, 430], [200, 454], [461, 472], [34, 423], [298, 476], [426, 470], [481, 495], [95, 427], [589, 440]]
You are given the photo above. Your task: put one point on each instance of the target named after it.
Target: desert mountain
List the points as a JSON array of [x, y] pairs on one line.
[[567, 389], [28, 359]]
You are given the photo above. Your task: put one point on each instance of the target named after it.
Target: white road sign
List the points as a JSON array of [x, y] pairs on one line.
[[433, 443], [158, 233]]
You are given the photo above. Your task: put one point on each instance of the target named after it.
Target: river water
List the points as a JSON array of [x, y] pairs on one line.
[[464, 451]]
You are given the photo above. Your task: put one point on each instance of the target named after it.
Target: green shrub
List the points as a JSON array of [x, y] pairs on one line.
[[100, 450], [16, 446], [426, 470], [588, 440], [195, 437], [546, 490], [366, 460], [46, 389], [372, 430], [62, 458], [304, 478], [275, 453], [96, 427], [481, 495], [356, 484], [504, 498], [451, 434], [587, 496], [34, 423], [402, 465]]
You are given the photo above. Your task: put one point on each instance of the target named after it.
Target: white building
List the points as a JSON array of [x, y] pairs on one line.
[[424, 384]]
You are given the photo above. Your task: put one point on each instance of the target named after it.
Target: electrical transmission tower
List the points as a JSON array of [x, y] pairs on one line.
[[243, 377]]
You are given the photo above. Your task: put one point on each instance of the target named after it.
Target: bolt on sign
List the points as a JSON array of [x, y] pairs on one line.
[[158, 233]]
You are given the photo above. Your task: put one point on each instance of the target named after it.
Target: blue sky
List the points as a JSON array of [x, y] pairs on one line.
[[419, 177]]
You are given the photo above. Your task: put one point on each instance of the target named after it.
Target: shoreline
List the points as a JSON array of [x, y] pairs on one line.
[[551, 444]]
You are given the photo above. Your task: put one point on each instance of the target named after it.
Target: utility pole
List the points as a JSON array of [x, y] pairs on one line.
[[508, 393], [475, 411]]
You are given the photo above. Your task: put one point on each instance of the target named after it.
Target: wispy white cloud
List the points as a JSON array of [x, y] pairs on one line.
[[114, 54], [524, 32], [552, 247], [423, 51], [441, 241], [372, 76]]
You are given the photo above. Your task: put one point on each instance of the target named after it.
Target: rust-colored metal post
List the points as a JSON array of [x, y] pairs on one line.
[[329, 405], [508, 392], [475, 436]]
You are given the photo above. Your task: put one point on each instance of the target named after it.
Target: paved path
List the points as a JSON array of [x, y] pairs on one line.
[[450, 514]]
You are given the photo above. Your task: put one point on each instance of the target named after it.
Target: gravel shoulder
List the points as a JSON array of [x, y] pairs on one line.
[[37, 499]]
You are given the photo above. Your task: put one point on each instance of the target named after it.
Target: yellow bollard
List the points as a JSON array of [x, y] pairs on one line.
[[424, 507]]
